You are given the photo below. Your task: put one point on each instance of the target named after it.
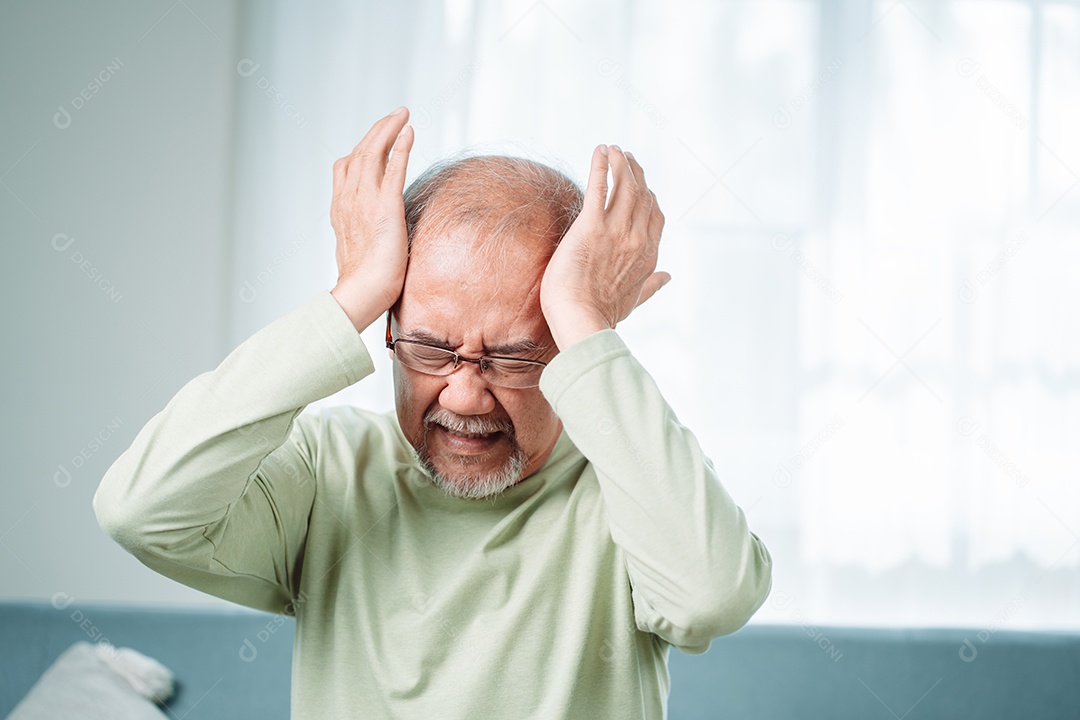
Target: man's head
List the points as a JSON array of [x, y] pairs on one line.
[[481, 231]]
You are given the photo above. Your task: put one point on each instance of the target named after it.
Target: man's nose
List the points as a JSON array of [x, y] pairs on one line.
[[467, 392]]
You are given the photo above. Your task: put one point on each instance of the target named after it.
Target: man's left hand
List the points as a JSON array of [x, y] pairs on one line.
[[604, 267]]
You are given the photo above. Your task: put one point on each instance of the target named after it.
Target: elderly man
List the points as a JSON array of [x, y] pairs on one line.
[[529, 532]]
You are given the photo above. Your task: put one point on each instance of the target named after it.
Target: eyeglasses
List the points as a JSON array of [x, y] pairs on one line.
[[503, 372]]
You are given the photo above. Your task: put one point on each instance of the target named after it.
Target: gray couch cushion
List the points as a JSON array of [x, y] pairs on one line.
[[81, 684]]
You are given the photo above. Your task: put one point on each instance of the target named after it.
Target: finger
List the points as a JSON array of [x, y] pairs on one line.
[[656, 281], [623, 184], [383, 143], [596, 191], [645, 198], [656, 220], [367, 163], [396, 167], [635, 168], [401, 115], [340, 166]]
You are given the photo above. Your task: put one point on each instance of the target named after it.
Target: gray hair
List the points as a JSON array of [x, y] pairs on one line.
[[496, 195]]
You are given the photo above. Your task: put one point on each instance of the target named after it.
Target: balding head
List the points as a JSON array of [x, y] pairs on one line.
[[495, 198]]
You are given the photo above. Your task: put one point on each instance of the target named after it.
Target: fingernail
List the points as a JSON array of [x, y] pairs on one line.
[[629, 156], [399, 110], [603, 150], [616, 148]]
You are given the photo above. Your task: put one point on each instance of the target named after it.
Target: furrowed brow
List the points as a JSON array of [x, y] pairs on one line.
[[520, 347], [524, 346], [427, 338]]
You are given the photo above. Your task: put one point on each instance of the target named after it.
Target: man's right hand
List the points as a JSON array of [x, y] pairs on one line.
[[368, 216]]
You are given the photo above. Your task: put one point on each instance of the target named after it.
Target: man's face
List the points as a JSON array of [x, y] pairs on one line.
[[477, 439]]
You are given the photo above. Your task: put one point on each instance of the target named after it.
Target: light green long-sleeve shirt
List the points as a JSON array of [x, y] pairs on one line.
[[559, 599]]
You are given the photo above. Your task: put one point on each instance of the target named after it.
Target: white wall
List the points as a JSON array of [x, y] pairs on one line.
[[132, 186]]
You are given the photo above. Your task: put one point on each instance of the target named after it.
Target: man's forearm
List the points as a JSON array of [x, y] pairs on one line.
[[697, 570]]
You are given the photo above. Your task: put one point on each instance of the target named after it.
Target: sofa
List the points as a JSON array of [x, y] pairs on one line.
[[235, 663]]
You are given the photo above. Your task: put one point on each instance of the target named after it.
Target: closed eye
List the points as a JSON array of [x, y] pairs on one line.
[[515, 366]]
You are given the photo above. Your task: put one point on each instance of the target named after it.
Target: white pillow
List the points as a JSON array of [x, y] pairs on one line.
[[98, 681]]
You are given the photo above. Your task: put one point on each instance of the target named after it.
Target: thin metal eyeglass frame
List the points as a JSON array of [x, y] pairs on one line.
[[458, 359]]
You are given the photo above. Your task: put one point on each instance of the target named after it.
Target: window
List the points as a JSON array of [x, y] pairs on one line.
[[871, 220]]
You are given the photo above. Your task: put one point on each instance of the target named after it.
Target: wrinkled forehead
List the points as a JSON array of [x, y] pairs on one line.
[[465, 282], [471, 260]]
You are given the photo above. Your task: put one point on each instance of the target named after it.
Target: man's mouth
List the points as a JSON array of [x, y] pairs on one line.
[[466, 443], [469, 435]]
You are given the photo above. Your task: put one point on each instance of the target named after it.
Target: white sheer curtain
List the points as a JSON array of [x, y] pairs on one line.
[[872, 214]]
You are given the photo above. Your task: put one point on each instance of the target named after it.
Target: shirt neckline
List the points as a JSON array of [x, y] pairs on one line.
[[430, 494]]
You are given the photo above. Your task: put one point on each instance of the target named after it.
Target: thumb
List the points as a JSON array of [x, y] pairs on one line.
[[656, 281]]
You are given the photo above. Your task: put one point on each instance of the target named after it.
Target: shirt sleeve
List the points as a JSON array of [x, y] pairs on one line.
[[216, 490], [695, 569]]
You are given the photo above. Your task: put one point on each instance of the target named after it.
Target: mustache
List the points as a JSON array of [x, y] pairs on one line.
[[468, 423]]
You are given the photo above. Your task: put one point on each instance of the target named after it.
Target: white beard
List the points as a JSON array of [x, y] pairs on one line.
[[473, 486]]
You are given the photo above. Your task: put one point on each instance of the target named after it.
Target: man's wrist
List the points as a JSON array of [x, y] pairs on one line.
[[362, 309], [568, 328]]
